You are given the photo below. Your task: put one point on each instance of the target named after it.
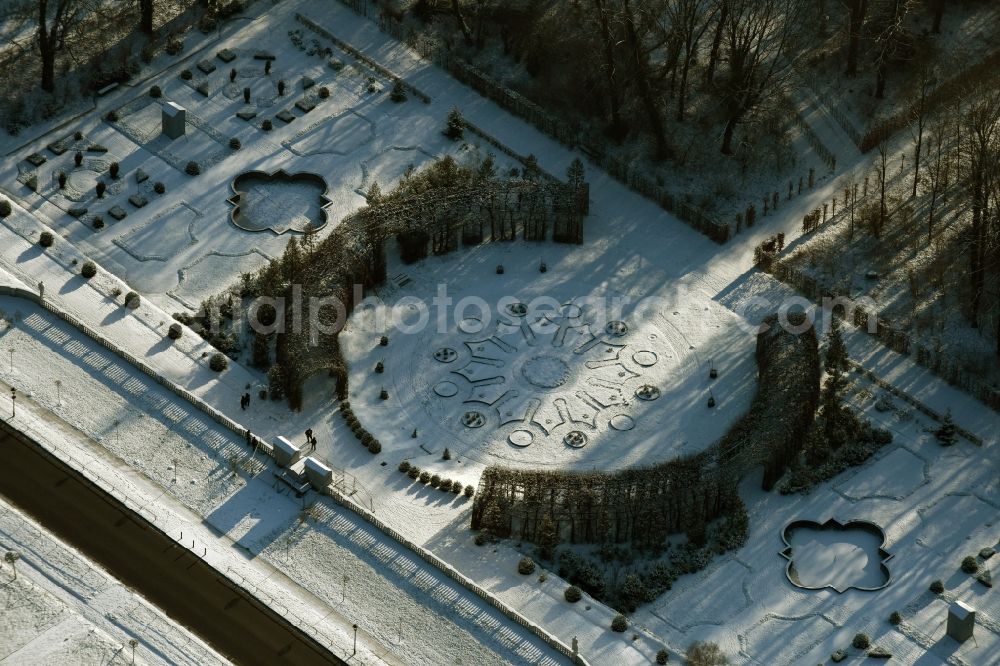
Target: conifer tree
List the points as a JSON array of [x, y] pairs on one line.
[[836, 366], [455, 127], [548, 539], [947, 434], [575, 173], [487, 169], [374, 194]]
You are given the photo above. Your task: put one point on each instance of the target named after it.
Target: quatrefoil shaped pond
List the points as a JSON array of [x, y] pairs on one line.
[[836, 556], [279, 201]]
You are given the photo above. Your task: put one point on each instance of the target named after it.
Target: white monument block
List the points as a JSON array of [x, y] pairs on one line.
[[285, 453], [319, 475], [173, 118], [961, 621]]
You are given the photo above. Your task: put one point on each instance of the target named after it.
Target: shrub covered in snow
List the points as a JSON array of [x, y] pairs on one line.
[[404, 466], [969, 564], [155, 91], [132, 300], [526, 566], [425, 477], [88, 270], [218, 362], [861, 641], [175, 331], [5, 208], [937, 587], [573, 594], [159, 187], [620, 623], [192, 168], [46, 239], [662, 657], [413, 472], [470, 490]]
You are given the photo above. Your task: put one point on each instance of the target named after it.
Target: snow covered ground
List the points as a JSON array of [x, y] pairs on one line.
[[935, 504], [63, 608]]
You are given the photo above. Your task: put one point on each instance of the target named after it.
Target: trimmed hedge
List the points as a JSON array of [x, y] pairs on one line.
[[88, 270], [46, 239], [218, 362]]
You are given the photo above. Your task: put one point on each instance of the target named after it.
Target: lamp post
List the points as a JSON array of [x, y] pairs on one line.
[[11, 360], [13, 401], [355, 640], [58, 391]]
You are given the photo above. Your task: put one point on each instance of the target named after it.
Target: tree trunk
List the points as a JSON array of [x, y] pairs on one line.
[[682, 98], [642, 80], [727, 137], [609, 69], [938, 15], [856, 22], [880, 80], [48, 55], [713, 56], [146, 16], [466, 33]]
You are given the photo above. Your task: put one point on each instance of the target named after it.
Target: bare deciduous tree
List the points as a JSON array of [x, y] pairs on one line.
[[690, 19], [54, 22], [759, 38]]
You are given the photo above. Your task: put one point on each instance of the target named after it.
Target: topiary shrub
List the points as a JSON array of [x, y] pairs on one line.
[[192, 168], [175, 331], [662, 657], [98, 222], [62, 180], [114, 168], [526, 566], [235, 144], [469, 491], [132, 300], [861, 641], [436, 480], [186, 74], [155, 92], [384, 341], [398, 93], [446, 455], [324, 92], [5, 208], [413, 472], [88, 270], [895, 617], [380, 367], [572, 594], [375, 447], [619, 624], [445, 485], [480, 539], [101, 187], [425, 478], [281, 86], [969, 564], [46, 239], [937, 587], [111, 116], [267, 125], [218, 362], [78, 158], [174, 46], [456, 487], [878, 652], [159, 187], [404, 466]]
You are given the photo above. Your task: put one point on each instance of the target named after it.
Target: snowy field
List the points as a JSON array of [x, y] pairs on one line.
[[61, 608], [697, 299]]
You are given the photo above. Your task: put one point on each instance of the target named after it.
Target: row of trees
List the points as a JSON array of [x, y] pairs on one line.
[[638, 62]]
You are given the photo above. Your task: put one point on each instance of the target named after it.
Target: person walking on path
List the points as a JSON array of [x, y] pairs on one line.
[[312, 443], [309, 435]]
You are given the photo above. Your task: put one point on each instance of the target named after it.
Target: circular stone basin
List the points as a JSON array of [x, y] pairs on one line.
[[575, 439], [445, 355], [622, 422], [471, 325], [446, 389], [545, 371], [473, 420], [616, 328], [520, 438], [644, 358], [279, 201], [517, 309], [647, 392]]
